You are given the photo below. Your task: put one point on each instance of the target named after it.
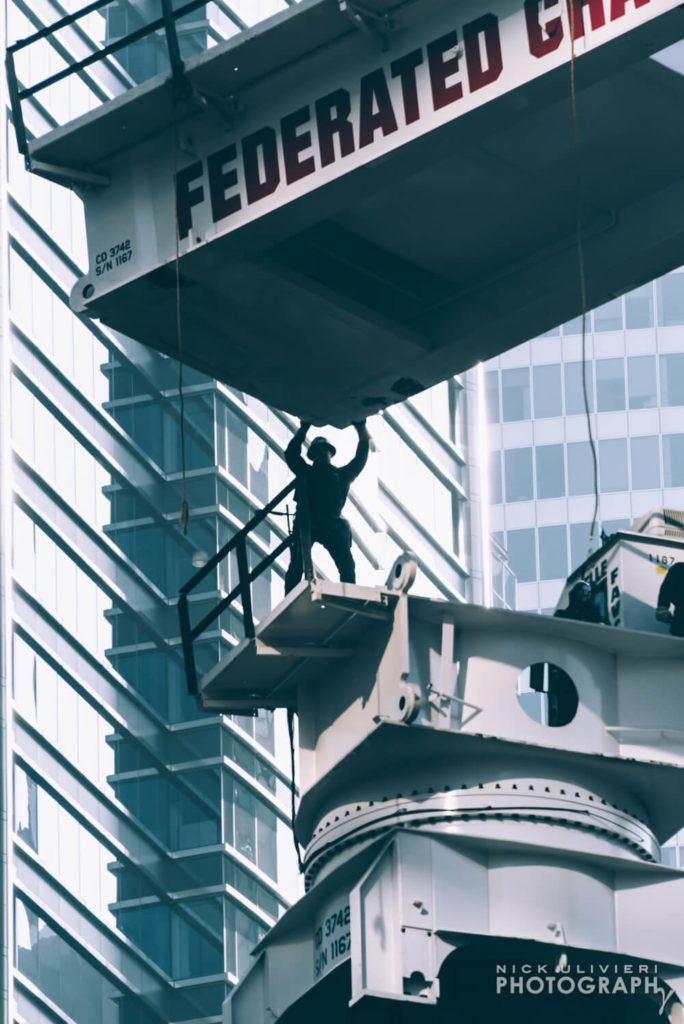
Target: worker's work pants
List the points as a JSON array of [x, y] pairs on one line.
[[335, 536]]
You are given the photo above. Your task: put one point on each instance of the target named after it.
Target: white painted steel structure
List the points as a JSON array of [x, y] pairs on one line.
[[406, 198], [440, 820]]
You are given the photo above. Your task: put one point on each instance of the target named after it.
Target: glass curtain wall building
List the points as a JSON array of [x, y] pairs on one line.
[[147, 846], [541, 470]]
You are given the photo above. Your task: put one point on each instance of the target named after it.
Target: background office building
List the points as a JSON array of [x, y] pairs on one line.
[[146, 846], [541, 470]]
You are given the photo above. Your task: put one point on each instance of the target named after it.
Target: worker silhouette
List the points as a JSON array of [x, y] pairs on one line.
[[324, 488], [671, 594], [580, 605]]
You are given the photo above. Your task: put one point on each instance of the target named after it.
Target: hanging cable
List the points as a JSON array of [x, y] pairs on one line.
[[293, 788], [184, 507], [581, 266]]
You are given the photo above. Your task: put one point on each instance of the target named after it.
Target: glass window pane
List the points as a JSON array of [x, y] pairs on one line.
[[248, 934], [199, 953], [574, 392], [669, 856], [519, 481], [643, 388], [550, 471], [264, 732], [672, 378], [610, 526], [25, 808], [547, 391], [645, 463], [580, 545], [673, 459], [671, 300], [609, 316], [495, 483], [610, 384], [515, 386], [245, 824], [553, 553], [69, 981], [266, 833], [580, 468], [492, 396], [639, 307], [613, 464], [521, 554], [575, 326]]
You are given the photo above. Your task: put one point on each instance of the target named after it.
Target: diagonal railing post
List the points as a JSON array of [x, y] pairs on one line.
[[181, 86], [15, 104], [237, 543], [245, 587]]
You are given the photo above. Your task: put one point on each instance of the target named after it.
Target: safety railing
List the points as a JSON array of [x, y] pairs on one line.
[[161, 30], [246, 576]]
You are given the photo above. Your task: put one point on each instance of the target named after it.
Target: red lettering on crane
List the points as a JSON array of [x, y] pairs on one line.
[[331, 125], [441, 69], [405, 70], [597, 15], [295, 143], [542, 39], [617, 7], [376, 113], [221, 179], [260, 159], [487, 29]]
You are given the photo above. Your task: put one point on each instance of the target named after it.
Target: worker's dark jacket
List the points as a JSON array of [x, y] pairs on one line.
[[581, 612], [672, 593], [327, 486]]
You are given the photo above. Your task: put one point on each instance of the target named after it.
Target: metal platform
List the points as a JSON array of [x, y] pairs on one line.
[[313, 628], [334, 646], [318, 624], [442, 233]]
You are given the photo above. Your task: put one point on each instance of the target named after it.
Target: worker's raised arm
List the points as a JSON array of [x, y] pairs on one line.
[[353, 468], [293, 452]]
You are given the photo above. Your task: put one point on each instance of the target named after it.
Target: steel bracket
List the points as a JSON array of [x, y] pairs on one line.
[[377, 26]]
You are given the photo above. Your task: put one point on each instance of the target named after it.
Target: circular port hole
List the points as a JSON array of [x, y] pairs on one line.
[[547, 694]]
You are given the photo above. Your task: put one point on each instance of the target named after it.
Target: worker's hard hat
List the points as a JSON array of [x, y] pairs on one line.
[[322, 441], [581, 591]]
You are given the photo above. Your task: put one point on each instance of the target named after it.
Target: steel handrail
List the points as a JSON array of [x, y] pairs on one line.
[[18, 94], [246, 577]]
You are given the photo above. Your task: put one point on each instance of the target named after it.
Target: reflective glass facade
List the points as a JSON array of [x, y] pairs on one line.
[[541, 468], [147, 845]]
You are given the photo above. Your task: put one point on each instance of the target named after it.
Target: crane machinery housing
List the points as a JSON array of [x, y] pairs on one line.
[[333, 211]]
